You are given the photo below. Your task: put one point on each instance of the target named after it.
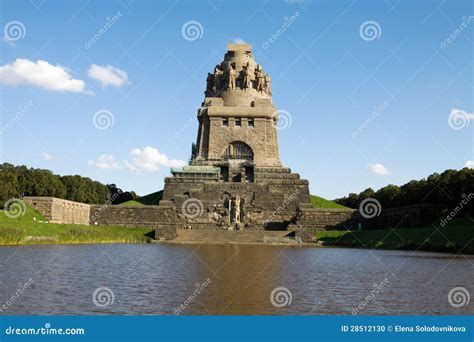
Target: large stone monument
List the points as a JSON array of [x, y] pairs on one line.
[[235, 179]]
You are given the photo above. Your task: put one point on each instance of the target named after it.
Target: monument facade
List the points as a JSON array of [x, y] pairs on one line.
[[235, 179]]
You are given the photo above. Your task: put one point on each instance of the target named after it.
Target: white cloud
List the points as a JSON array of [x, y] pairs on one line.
[[379, 169], [239, 41], [46, 156], [108, 75], [469, 164], [150, 159], [40, 74], [105, 162]]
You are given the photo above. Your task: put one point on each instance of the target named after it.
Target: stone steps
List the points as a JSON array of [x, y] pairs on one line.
[[272, 170], [282, 181], [276, 176], [229, 236]]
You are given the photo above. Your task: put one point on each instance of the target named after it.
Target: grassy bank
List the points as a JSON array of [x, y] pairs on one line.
[[319, 202], [458, 236], [150, 199], [24, 230]]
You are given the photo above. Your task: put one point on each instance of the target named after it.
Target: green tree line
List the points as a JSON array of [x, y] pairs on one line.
[[447, 190], [17, 181]]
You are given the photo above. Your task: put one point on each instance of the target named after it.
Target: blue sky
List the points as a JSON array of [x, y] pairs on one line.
[[371, 107]]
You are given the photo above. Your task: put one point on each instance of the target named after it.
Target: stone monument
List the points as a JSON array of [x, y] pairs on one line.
[[235, 179]]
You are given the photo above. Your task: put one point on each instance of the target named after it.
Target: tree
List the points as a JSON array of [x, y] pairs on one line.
[[450, 189], [22, 181]]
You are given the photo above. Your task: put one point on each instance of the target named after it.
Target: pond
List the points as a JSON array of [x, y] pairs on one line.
[[139, 279]]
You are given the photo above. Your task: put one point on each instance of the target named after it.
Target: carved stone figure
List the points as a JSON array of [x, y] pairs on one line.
[[247, 82], [217, 78], [230, 77], [210, 83], [260, 78], [268, 84], [237, 209]]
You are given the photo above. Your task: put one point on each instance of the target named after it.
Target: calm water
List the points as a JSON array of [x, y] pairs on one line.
[[158, 278]]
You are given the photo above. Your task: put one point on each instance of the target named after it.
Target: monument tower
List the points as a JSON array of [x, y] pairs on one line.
[[237, 119], [235, 179]]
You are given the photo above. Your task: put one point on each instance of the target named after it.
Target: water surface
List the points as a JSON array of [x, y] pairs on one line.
[[160, 278]]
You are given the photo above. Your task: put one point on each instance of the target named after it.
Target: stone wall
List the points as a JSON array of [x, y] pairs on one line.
[[268, 208], [404, 217], [310, 220], [57, 210], [122, 216]]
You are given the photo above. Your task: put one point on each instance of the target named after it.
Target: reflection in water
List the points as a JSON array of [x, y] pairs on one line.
[[229, 279]]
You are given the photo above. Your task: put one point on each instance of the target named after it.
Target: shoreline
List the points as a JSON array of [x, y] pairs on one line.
[[455, 238], [290, 245]]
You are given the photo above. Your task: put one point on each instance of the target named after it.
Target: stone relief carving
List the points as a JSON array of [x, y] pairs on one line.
[[226, 77], [237, 209]]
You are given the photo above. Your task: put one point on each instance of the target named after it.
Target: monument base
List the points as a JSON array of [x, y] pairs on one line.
[[269, 202]]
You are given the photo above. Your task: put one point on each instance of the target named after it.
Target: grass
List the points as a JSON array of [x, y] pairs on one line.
[[24, 230], [319, 202], [131, 203], [457, 236], [150, 199]]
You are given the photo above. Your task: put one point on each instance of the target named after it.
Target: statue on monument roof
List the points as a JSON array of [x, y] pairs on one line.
[[230, 76], [247, 82], [268, 84], [217, 79], [209, 83], [260, 78]]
